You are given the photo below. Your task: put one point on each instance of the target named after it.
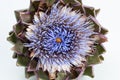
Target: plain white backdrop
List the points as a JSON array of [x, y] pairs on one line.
[[109, 17]]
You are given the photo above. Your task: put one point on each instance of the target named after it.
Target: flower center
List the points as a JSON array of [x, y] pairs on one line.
[[58, 40]]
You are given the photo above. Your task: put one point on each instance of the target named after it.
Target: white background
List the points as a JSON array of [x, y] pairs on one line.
[[109, 17]]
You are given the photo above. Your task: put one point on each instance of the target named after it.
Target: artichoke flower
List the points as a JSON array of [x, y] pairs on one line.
[[57, 39]]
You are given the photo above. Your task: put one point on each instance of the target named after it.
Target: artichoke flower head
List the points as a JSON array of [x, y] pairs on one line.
[[57, 39]]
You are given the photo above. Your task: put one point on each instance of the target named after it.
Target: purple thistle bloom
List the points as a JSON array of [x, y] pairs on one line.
[[61, 39]]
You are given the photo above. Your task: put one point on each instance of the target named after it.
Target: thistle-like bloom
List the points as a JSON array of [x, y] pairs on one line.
[[55, 37], [60, 39]]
